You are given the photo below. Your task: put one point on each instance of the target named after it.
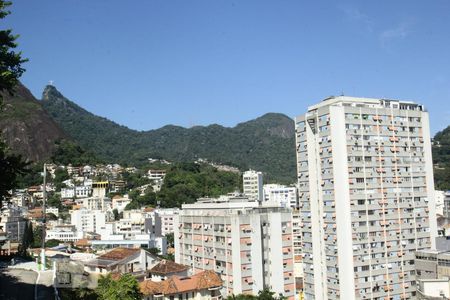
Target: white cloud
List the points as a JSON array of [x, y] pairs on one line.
[[399, 32], [354, 14]]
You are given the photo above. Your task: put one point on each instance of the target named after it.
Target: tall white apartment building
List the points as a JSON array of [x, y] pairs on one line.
[[366, 192], [284, 196], [253, 185], [249, 245]]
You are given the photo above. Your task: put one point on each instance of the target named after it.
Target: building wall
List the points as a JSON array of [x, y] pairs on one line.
[[236, 245], [371, 159]]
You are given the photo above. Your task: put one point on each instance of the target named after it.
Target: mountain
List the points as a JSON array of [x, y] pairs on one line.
[[441, 159], [26, 127], [266, 144]]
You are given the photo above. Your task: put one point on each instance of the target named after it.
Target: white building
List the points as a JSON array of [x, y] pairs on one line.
[[250, 246], [88, 220], [167, 216], [156, 174], [284, 196], [253, 185], [65, 233], [365, 179], [83, 191], [96, 203], [68, 193], [52, 210], [119, 202]]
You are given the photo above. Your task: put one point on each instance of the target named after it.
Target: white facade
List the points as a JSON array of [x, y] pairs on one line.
[[88, 220], [65, 233], [439, 197], [167, 216], [96, 203], [156, 174], [253, 185], [68, 193], [366, 192], [284, 196], [120, 203], [250, 246]]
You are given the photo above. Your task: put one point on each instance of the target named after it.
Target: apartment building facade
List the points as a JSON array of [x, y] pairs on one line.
[[249, 245], [365, 184], [284, 196], [253, 185]]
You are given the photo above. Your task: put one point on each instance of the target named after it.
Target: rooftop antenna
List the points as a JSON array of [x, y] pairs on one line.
[[342, 93]]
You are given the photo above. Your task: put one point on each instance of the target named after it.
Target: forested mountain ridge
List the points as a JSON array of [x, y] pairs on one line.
[[266, 143]]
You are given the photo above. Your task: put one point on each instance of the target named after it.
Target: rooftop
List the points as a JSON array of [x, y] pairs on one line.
[[174, 285], [167, 267]]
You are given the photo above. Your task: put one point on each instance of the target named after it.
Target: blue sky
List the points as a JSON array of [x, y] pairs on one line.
[[145, 64]]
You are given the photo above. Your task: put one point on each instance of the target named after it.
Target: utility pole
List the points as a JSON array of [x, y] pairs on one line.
[[44, 194]]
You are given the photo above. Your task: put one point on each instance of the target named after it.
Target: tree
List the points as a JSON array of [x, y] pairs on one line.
[[170, 239], [61, 175], [54, 200], [124, 288], [27, 239], [116, 214], [10, 71]]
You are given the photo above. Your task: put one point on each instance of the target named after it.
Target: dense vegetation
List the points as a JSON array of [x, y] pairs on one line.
[[266, 144], [10, 70], [441, 159], [185, 183]]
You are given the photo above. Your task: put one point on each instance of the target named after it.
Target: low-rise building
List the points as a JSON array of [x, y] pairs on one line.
[[281, 195], [64, 232], [201, 286], [12, 223], [166, 268], [122, 260]]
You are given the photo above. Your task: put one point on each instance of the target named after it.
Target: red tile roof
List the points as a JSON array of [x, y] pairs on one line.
[[119, 253], [174, 285], [168, 267]]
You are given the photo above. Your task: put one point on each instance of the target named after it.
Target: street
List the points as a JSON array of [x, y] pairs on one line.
[[20, 284]]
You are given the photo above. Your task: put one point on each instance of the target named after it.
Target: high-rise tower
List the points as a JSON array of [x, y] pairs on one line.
[[366, 191]]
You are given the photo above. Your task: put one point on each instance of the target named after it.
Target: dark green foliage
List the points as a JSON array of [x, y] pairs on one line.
[[32, 175], [37, 237], [125, 288], [60, 176], [135, 180], [10, 71], [186, 182], [266, 144], [79, 294], [27, 239], [154, 251], [54, 200], [10, 61], [116, 214], [11, 166], [52, 243], [265, 294], [441, 159], [170, 239], [68, 152], [138, 201]]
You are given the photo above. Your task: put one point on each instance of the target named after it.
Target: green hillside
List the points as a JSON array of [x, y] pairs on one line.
[[266, 143], [441, 159]]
